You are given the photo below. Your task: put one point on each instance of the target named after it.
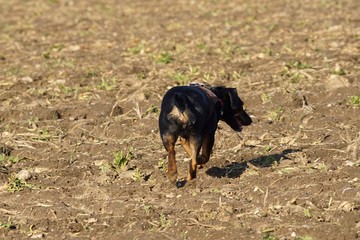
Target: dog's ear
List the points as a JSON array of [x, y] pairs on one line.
[[235, 101], [219, 108]]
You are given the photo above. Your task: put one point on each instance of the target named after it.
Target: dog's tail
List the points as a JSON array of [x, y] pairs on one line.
[[180, 113], [181, 101]]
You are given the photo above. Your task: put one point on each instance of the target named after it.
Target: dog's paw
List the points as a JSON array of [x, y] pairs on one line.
[[200, 166], [180, 183]]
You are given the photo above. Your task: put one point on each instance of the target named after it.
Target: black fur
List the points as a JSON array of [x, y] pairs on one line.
[[192, 113]]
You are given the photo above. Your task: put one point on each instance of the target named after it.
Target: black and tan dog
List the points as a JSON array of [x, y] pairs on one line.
[[192, 113]]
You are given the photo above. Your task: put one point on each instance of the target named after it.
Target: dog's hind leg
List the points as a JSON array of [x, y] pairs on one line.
[[186, 145], [195, 145], [169, 144], [207, 145]]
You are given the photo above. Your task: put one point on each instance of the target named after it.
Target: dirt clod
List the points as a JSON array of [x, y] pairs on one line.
[[24, 175]]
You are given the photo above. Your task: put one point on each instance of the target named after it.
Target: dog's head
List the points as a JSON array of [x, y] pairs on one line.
[[233, 112]]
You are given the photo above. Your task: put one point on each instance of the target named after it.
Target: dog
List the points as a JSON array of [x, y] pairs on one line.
[[192, 113]]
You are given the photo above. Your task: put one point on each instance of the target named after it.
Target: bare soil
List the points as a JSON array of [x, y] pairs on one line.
[[83, 80]]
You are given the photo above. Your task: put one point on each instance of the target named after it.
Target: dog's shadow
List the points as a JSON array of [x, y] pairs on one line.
[[235, 169]]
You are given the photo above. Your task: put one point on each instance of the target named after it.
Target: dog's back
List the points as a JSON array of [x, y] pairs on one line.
[[185, 109]]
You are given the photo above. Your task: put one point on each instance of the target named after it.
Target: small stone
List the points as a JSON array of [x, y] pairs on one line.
[[357, 225], [170, 195], [37, 236], [60, 81], [74, 48], [349, 163], [26, 79], [335, 81], [24, 175], [346, 206]]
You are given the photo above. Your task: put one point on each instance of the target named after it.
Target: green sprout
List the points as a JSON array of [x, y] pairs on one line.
[[122, 159], [15, 184]]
